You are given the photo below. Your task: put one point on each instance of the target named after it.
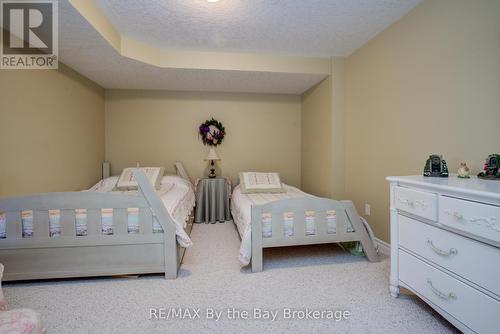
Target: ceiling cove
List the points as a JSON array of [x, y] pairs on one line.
[[96, 44]]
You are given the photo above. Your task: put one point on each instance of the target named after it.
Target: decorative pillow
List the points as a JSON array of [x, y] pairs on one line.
[[254, 182], [128, 182], [21, 321], [18, 321], [181, 171]]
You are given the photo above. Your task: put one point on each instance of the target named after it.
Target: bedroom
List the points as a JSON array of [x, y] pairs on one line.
[[334, 96]]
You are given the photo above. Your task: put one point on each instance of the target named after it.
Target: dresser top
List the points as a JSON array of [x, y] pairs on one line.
[[472, 186]]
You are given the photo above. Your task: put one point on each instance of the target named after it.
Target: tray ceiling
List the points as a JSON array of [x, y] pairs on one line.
[[176, 45]]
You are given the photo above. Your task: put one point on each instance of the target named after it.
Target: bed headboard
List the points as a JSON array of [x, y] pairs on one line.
[[105, 170], [181, 171]]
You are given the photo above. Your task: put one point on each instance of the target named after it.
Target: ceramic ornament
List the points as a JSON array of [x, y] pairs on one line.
[[463, 171]]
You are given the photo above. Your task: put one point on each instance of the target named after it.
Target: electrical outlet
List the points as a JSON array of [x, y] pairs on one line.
[[368, 209]]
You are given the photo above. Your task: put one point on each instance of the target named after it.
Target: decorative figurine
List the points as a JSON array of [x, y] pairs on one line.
[[435, 166], [491, 168], [463, 171]]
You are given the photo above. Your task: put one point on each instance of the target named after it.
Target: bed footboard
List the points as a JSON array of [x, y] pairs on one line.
[[73, 253], [306, 221]]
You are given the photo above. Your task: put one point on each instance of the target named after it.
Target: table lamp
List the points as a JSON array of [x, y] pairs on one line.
[[212, 156]]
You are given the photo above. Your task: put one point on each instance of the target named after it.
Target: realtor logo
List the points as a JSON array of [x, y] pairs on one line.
[[29, 34]]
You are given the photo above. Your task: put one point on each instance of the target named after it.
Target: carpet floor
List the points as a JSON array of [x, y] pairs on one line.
[[322, 278]]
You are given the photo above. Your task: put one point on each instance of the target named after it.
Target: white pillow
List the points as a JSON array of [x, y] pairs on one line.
[[127, 180], [254, 182], [105, 185]]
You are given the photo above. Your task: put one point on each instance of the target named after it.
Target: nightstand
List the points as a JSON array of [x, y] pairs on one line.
[[212, 200]]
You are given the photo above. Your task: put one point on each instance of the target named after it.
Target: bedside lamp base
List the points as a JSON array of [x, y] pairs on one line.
[[212, 171]]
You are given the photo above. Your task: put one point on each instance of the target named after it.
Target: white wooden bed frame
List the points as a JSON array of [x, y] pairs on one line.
[[43, 257], [346, 214]]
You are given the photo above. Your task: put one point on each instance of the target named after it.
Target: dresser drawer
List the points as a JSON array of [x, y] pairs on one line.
[[476, 218], [419, 203], [467, 258], [474, 309]]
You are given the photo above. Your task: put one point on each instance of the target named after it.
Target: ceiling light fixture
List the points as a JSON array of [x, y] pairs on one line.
[[212, 0]]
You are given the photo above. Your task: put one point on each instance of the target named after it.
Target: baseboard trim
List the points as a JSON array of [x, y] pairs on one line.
[[383, 247]]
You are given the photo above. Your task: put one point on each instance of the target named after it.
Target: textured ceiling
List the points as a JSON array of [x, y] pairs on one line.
[[321, 28], [82, 48], [278, 27]]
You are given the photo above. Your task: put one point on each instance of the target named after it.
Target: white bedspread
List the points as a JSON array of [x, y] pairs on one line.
[[176, 193], [241, 209]]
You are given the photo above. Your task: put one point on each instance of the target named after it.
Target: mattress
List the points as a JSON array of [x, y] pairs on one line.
[[241, 209], [176, 193]]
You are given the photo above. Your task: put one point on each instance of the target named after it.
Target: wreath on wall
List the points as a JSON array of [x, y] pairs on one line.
[[212, 132]]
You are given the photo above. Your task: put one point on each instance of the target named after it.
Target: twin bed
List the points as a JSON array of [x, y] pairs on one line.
[[104, 232], [293, 218], [98, 232]]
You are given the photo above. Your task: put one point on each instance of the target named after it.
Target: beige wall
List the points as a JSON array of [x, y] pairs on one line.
[[51, 131], [317, 137], [338, 126], [158, 128], [428, 84], [323, 109]]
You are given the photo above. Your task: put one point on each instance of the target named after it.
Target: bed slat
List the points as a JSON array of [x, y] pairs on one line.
[[341, 223], [299, 226], [13, 225], [40, 224], [94, 223], [277, 222], [68, 228], [320, 222], [120, 222]]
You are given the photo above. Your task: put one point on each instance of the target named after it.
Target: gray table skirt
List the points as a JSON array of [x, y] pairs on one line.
[[212, 201]]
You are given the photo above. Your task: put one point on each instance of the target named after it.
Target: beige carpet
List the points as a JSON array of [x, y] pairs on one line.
[[320, 278]]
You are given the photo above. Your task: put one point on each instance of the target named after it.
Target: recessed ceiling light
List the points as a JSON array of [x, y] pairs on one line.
[[212, 0]]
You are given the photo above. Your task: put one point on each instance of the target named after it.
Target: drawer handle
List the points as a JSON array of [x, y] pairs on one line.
[[421, 203], [412, 203], [452, 251], [491, 222], [457, 215], [481, 221], [406, 201], [440, 294]]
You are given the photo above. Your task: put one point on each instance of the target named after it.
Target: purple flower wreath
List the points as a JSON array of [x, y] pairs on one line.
[[215, 137]]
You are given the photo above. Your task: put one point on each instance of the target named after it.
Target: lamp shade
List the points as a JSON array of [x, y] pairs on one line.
[[212, 155]]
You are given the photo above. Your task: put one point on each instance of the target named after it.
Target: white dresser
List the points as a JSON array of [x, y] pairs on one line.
[[445, 247]]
